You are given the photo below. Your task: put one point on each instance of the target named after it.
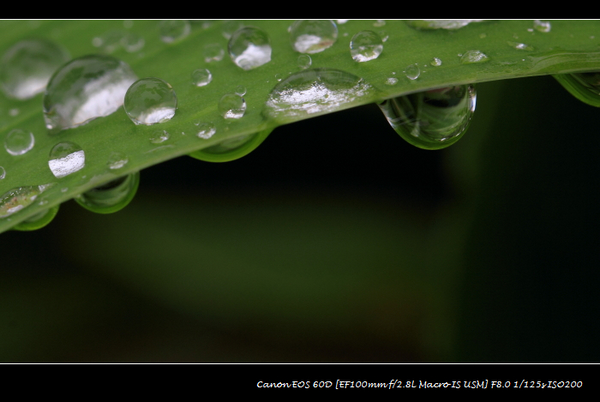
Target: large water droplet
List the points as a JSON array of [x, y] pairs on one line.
[[232, 148], [84, 89], [313, 36], [66, 158], [112, 196], [201, 77], [315, 91], [249, 47], [18, 198], [232, 106], [173, 30], [27, 66], [583, 86], [149, 101], [439, 24], [19, 142], [365, 46], [432, 119], [38, 220], [473, 56]]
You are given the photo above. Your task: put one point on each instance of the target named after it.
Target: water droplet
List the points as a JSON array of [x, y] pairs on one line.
[[473, 56], [18, 198], [240, 90], [249, 48], [304, 61], [584, 86], [109, 41], [315, 91], [159, 136], [439, 24], [84, 89], [412, 72], [201, 77], [229, 27], [27, 66], [173, 30], [313, 36], [38, 220], [66, 158], [132, 42], [2, 173], [436, 62], [18, 142], [150, 101], [117, 160], [432, 119], [391, 81], [205, 130], [542, 26], [232, 148], [232, 106], [520, 46], [213, 52], [365, 46], [112, 196]]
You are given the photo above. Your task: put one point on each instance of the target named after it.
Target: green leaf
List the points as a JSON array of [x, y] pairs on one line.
[[513, 49]]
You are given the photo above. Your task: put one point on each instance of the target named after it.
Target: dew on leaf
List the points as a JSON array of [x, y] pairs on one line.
[[240, 90], [112, 196], [66, 158], [520, 46], [149, 101], [132, 42], [213, 52], [173, 30], [436, 62], [432, 119], [2, 173], [18, 198], [159, 136], [391, 81], [232, 106], [313, 36], [412, 72], [249, 48], [84, 89], [109, 41], [26, 67], [201, 77], [304, 61], [205, 130], [229, 27], [365, 46], [117, 160], [542, 26], [473, 56], [19, 142]]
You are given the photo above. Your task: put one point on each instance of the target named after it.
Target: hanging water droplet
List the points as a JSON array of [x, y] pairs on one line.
[[2, 173], [313, 36], [26, 67], [232, 148], [159, 136], [18, 198], [432, 119], [365, 46], [205, 130], [173, 30], [439, 24], [112, 196], [412, 72], [542, 26], [66, 158], [38, 220], [304, 61], [150, 101], [117, 160], [201, 77], [249, 48], [436, 62], [232, 106], [473, 56], [584, 86], [213, 52], [19, 142], [84, 89], [315, 91]]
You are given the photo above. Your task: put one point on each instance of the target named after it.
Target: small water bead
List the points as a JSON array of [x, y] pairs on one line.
[[542, 26], [132, 42], [213, 52], [436, 62], [173, 30], [66, 158], [117, 160], [412, 72], [19, 142], [229, 28], [205, 130], [109, 41], [232, 106], [240, 90], [18, 198], [201, 77], [159, 136], [2, 173], [432, 119], [149, 101], [84, 89], [249, 48], [473, 56], [391, 81], [365, 46], [304, 61], [112, 196], [584, 86], [313, 36], [520, 46], [315, 91], [26, 67]]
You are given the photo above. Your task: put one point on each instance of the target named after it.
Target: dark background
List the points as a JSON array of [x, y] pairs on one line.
[[333, 241]]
